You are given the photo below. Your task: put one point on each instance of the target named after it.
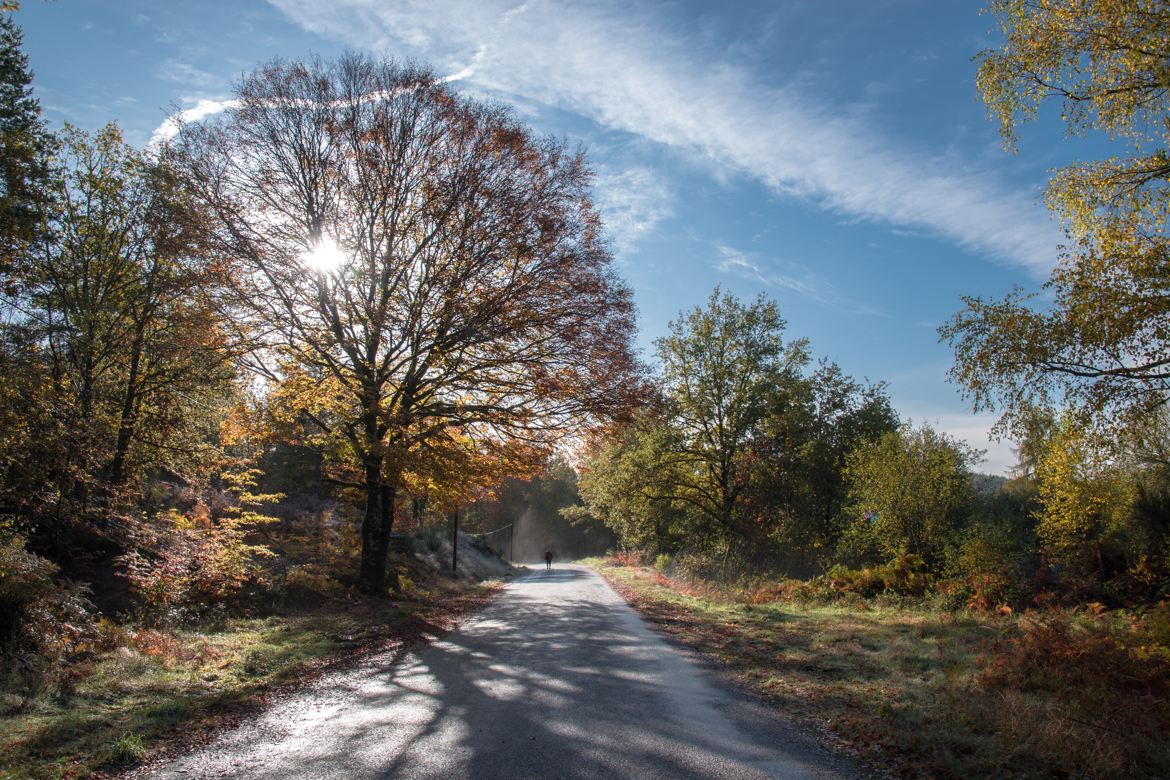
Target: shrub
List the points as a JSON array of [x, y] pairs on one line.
[[630, 558], [987, 569], [1082, 689], [1082, 649], [906, 575], [42, 620], [185, 563], [261, 660], [694, 567], [310, 579]]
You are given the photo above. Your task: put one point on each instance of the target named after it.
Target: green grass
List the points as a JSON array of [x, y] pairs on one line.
[[906, 688], [126, 702]]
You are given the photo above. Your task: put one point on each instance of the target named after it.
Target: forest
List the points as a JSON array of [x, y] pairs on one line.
[[247, 371]]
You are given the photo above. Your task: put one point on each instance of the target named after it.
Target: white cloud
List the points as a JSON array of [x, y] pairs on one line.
[[789, 275], [999, 457], [202, 109], [205, 107], [632, 203], [625, 69]]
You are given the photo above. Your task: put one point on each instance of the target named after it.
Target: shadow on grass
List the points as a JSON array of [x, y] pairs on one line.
[[904, 688], [129, 698]]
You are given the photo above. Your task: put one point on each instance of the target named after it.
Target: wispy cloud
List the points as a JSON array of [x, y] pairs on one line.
[[187, 74], [787, 275], [205, 107], [632, 202], [627, 69]]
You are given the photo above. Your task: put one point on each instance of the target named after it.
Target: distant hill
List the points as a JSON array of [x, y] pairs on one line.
[[987, 484]]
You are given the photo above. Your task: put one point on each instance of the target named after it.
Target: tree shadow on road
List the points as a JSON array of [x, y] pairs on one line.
[[536, 688]]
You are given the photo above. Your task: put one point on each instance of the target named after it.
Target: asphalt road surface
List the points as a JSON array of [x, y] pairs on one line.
[[558, 678]]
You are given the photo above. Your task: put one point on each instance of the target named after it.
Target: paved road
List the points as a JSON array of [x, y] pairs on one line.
[[558, 678]]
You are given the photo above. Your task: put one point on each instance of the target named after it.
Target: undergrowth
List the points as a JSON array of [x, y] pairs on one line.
[[935, 692]]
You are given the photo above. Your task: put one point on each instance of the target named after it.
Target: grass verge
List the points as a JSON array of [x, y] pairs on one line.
[[931, 694], [158, 691]]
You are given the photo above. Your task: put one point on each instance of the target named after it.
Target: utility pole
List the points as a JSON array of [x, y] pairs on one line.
[[455, 542]]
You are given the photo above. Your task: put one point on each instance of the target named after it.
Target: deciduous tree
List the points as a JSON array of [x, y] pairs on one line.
[[441, 268], [629, 482], [910, 491], [1101, 345], [114, 297], [721, 366]]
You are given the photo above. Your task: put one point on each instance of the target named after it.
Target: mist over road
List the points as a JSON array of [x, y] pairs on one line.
[[558, 678]]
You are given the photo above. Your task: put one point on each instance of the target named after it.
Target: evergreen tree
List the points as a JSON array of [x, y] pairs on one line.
[[23, 143]]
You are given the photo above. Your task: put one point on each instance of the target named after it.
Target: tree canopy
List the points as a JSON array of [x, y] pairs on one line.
[[1101, 344], [720, 365], [433, 269]]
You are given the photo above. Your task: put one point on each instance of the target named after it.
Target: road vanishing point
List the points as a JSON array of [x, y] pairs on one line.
[[557, 678]]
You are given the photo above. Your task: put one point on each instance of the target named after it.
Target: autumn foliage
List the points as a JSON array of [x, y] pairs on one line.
[[470, 302]]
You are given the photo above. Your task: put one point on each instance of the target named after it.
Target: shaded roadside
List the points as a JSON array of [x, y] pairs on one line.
[[166, 692]]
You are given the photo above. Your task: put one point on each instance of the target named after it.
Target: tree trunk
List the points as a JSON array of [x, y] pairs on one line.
[[130, 402], [85, 402], [385, 526], [373, 568], [127, 421]]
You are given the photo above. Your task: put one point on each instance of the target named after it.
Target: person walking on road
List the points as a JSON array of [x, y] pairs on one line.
[[548, 559]]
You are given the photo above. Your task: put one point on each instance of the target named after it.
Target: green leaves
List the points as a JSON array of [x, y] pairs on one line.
[[916, 485]]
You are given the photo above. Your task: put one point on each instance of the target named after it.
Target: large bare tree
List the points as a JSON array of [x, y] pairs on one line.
[[436, 267]]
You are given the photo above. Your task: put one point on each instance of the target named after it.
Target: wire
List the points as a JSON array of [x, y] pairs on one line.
[[496, 531]]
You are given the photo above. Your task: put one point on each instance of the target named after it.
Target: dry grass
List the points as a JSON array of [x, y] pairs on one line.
[[936, 694]]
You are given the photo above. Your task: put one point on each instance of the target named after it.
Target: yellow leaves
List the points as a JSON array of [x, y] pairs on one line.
[[1080, 491], [457, 467], [238, 426], [1103, 345], [302, 391], [1104, 58]]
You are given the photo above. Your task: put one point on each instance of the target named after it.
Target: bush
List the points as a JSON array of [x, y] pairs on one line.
[[694, 567], [310, 579], [187, 562], [42, 621], [630, 558], [906, 575], [1082, 689], [261, 660], [1078, 649], [987, 569]]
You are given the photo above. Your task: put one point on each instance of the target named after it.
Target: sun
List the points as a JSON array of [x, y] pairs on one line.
[[325, 256]]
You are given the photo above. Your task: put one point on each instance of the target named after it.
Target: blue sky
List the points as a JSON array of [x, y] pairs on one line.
[[833, 155]]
